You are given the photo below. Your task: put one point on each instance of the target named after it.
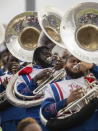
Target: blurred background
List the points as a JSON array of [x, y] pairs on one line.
[[10, 8]]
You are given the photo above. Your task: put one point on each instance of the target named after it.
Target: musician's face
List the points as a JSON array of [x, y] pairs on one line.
[[5, 57], [71, 62], [33, 127], [65, 54], [13, 65], [69, 67]]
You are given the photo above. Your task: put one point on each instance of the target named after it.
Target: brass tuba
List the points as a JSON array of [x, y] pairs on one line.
[[79, 33], [22, 35], [19, 100]]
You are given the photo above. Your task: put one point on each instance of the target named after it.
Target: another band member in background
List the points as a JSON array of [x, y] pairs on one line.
[[59, 94], [13, 67], [4, 60], [62, 53], [28, 124], [5, 113]]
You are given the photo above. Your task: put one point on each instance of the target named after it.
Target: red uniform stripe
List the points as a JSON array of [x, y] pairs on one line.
[[61, 94]]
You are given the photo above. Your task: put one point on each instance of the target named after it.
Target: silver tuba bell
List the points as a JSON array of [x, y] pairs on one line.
[[50, 20], [79, 31], [22, 35]]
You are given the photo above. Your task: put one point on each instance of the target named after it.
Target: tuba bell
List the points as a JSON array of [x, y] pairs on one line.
[[79, 31], [22, 35], [50, 20]]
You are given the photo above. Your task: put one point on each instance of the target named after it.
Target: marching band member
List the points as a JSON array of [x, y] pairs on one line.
[[28, 124], [5, 113], [59, 94], [28, 81], [41, 69], [12, 67], [4, 59], [28, 78], [12, 115]]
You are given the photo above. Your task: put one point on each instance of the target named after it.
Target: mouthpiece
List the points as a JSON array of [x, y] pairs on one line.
[[76, 66]]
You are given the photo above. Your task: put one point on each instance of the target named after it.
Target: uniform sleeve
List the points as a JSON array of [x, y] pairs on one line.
[[50, 107], [24, 88], [94, 70]]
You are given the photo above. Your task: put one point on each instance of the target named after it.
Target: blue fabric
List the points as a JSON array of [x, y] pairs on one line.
[[54, 89], [28, 87], [2, 88], [37, 67], [1, 72], [10, 125], [26, 80], [94, 70], [50, 107], [13, 115]]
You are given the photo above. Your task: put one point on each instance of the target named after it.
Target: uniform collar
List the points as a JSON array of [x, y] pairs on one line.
[[37, 66]]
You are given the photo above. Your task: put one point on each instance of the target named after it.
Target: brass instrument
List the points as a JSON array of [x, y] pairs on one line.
[[80, 26], [52, 77], [89, 95], [79, 31], [50, 20], [22, 35], [17, 99]]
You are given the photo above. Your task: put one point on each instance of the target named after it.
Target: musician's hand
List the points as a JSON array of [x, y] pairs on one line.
[[43, 74], [83, 66], [75, 94], [5, 82]]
